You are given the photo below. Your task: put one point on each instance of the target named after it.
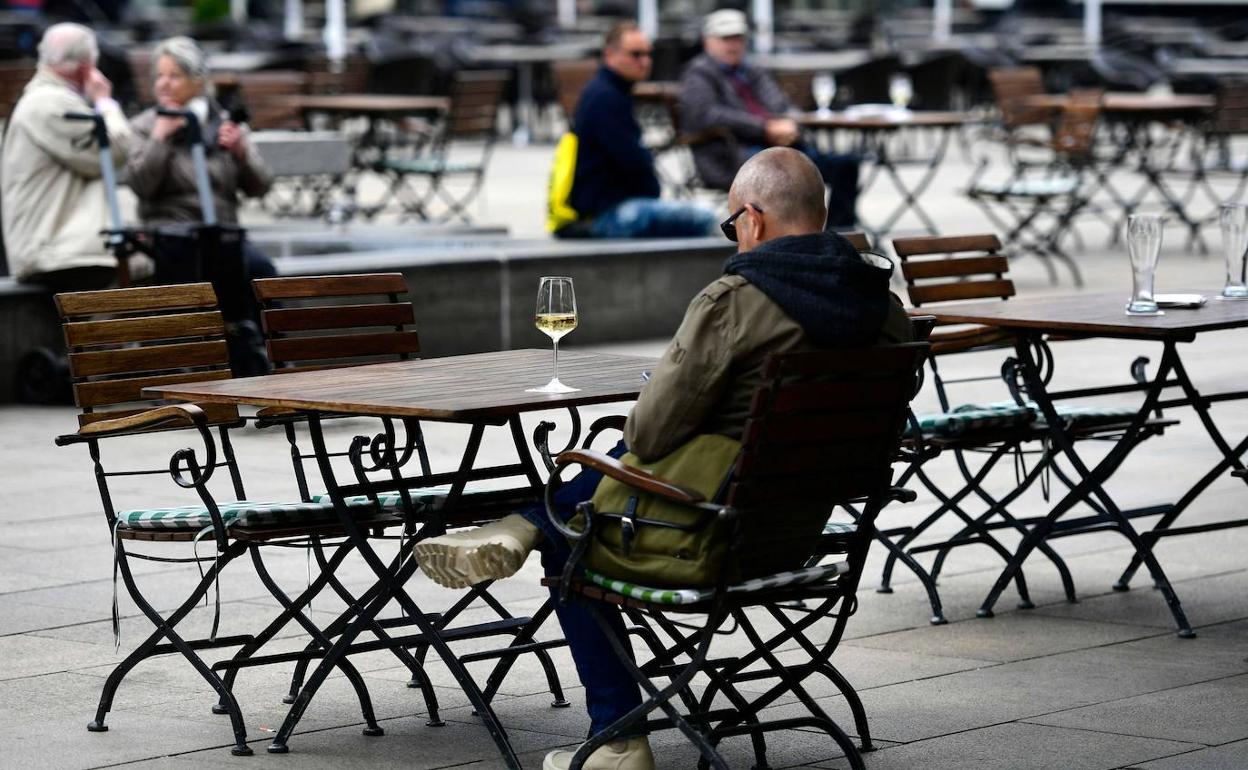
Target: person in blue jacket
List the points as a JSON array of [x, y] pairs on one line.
[[615, 191]]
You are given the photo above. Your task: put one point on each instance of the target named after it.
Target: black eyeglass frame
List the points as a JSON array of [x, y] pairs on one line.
[[729, 226]]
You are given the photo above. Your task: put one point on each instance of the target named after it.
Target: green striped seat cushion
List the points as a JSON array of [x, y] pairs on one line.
[[243, 513], [840, 528], [677, 596], [1078, 415], [430, 166], [970, 417], [431, 498]]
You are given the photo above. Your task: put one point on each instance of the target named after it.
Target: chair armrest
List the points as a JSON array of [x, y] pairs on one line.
[[171, 416], [633, 477]]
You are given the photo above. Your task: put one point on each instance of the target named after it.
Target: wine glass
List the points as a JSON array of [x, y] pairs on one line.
[[823, 88], [1234, 221], [1144, 246], [900, 91], [555, 317]]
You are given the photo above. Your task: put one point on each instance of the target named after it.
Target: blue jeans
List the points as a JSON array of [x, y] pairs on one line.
[[654, 218], [610, 691]]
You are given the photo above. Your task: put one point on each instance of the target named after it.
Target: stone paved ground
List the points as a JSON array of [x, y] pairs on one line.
[[1099, 684]]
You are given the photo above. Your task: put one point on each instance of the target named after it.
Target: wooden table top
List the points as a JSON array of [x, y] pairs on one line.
[[481, 386], [883, 120], [1099, 314], [657, 91], [1115, 101], [389, 104]]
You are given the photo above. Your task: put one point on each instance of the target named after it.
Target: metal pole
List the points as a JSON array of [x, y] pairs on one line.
[[1092, 22], [942, 20], [648, 17], [764, 26], [238, 10], [335, 33], [292, 21], [567, 13]]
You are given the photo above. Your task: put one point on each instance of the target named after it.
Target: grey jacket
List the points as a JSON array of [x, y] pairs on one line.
[[53, 197], [163, 177], [709, 101]]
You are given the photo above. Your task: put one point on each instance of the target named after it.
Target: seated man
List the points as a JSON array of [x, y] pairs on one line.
[[53, 200], [615, 191], [791, 286], [720, 90]]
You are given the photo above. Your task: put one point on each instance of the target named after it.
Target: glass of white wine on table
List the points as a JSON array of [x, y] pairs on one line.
[[555, 317]]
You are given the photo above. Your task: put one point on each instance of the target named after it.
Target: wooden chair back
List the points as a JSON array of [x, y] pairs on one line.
[[1231, 114], [571, 77], [475, 97], [123, 340], [1010, 87], [13, 79], [959, 267], [1075, 133], [266, 96], [796, 86], [332, 327], [858, 240], [352, 78], [823, 430], [140, 60]]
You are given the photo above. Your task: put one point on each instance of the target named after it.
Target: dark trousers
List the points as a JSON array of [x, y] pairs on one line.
[[840, 173], [610, 691]]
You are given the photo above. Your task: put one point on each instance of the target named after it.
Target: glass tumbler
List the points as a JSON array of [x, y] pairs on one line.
[[1144, 246], [1233, 218]]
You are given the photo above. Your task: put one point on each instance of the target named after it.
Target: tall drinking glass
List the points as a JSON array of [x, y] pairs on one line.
[[823, 88], [1144, 246], [1234, 221], [900, 91], [556, 316]]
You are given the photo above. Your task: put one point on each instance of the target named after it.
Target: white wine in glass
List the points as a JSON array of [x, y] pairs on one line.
[[555, 317]]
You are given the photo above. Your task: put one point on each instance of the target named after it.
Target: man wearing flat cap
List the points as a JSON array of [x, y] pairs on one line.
[[720, 90]]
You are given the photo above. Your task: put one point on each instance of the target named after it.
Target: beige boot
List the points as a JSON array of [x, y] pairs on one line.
[[461, 559], [627, 754]]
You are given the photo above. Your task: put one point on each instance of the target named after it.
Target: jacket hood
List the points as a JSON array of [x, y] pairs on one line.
[[838, 296]]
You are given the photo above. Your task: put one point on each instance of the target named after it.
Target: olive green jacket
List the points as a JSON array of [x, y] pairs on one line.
[[707, 377]]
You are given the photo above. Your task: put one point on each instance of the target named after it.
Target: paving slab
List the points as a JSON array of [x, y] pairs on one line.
[[1232, 756]]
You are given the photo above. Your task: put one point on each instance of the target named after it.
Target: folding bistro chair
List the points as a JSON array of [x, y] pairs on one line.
[[1010, 88], [1040, 198], [971, 267], [460, 148], [121, 341], [319, 322], [823, 430]]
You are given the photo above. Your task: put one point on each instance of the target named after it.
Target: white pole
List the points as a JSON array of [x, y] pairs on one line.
[[238, 10], [1092, 22], [764, 26], [292, 21], [942, 20], [567, 13], [335, 33], [648, 17]]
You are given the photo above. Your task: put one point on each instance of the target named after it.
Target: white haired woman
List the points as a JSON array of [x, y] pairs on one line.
[[160, 170]]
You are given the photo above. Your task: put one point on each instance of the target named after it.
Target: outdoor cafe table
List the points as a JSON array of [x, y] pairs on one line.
[[874, 130], [480, 390], [1086, 315]]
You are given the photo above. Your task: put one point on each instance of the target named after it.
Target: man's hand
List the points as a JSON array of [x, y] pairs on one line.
[[97, 87], [781, 132], [231, 139], [166, 127]]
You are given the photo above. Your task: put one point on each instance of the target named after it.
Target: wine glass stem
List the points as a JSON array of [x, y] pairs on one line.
[[556, 344]]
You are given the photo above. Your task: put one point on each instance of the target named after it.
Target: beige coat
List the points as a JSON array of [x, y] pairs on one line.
[[162, 174], [708, 375], [51, 193]]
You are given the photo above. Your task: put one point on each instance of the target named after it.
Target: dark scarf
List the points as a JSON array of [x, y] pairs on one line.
[[838, 297]]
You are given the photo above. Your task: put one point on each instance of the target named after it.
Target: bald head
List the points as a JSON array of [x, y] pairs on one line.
[[786, 185], [66, 47]]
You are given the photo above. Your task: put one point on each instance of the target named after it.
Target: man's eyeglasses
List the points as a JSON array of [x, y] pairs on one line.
[[729, 225], [642, 54]]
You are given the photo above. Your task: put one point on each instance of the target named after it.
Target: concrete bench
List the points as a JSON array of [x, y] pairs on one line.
[[303, 153]]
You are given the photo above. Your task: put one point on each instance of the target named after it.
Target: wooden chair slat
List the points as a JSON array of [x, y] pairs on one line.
[[910, 247], [337, 317], [115, 331], [847, 458], [835, 395], [776, 492], [92, 394], [343, 346], [954, 267], [329, 286], [148, 359], [961, 290], [882, 361], [857, 240], [217, 414], [843, 428], [145, 298]]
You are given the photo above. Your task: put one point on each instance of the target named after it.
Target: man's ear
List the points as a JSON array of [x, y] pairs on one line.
[[757, 226]]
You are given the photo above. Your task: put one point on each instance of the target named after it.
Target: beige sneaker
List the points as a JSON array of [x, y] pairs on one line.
[[494, 551], [627, 754]]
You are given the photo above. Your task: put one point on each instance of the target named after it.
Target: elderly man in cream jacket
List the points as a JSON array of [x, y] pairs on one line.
[[51, 193]]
